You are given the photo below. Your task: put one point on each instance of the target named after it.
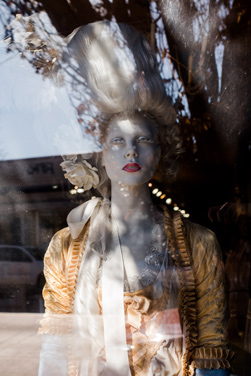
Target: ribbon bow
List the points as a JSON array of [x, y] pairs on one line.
[[78, 217]]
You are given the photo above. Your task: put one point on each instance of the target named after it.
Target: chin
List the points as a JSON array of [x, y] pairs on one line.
[[133, 181]]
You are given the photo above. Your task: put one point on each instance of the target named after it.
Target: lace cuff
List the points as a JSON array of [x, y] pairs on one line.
[[212, 358]]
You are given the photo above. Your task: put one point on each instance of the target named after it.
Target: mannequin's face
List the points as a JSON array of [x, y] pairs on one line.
[[131, 151]]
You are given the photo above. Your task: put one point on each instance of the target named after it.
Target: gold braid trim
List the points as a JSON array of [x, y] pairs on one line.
[[76, 253], [183, 262]]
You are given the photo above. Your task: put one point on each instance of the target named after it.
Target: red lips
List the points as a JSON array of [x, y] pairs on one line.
[[132, 167]]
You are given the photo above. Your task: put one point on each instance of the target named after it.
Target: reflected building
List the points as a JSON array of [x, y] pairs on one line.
[[34, 201]]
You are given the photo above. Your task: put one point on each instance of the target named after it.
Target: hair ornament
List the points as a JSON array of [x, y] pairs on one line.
[[79, 172]]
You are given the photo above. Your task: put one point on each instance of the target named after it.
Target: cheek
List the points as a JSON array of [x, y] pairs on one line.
[[110, 159], [151, 158]]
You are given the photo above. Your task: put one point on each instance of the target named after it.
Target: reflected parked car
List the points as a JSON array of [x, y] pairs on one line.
[[21, 266]]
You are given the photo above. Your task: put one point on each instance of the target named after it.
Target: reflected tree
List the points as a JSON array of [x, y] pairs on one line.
[[203, 54], [209, 44]]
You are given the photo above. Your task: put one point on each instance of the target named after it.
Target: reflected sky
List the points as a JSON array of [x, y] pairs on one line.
[[37, 118]]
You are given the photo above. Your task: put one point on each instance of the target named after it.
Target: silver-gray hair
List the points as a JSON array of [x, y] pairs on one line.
[[120, 69]]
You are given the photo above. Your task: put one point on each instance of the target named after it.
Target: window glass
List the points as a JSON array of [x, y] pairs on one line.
[[19, 255], [49, 116], [5, 255]]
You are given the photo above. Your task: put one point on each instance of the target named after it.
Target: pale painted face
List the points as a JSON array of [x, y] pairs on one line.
[[131, 151]]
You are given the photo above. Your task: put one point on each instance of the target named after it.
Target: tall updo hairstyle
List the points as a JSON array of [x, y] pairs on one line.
[[121, 72]]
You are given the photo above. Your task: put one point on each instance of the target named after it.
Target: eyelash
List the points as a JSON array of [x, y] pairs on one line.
[[117, 141], [140, 139], [145, 140]]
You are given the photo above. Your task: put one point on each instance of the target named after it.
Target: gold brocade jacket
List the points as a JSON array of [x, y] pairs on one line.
[[196, 254]]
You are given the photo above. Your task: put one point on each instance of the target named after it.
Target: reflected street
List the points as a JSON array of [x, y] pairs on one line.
[[20, 344]]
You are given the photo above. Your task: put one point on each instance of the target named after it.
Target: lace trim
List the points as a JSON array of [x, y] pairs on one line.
[[148, 275], [173, 227], [212, 358], [153, 260]]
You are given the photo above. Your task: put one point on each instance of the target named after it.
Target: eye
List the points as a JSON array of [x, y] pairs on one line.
[[144, 139], [117, 140]]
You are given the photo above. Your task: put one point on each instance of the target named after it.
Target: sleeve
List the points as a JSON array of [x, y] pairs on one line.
[[56, 322], [211, 351], [55, 292]]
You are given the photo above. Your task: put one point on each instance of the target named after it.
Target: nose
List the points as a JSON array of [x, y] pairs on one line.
[[131, 153]]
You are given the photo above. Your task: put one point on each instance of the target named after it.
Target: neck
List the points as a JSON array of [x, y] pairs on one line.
[[131, 204]]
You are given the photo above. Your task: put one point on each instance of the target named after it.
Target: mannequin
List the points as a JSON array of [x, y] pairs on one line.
[[130, 289]]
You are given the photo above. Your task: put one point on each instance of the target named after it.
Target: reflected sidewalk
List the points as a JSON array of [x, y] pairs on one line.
[[19, 344]]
